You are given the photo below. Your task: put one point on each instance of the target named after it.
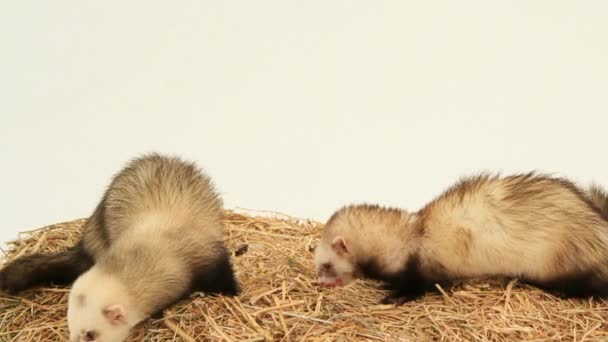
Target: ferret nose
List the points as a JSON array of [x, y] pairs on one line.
[[325, 283]]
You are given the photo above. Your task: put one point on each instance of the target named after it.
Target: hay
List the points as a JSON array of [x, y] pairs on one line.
[[280, 301]]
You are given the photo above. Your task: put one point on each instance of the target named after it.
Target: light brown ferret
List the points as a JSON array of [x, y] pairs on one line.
[[155, 237], [543, 230]]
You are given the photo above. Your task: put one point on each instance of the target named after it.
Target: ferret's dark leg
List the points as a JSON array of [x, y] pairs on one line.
[[574, 286], [409, 284], [408, 292], [45, 269], [218, 278]]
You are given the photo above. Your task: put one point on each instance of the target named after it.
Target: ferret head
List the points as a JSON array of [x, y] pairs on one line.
[[335, 262], [358, 236], [99, 309]]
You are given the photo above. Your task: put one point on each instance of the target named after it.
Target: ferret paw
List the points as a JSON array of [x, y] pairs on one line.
[[396, 300]]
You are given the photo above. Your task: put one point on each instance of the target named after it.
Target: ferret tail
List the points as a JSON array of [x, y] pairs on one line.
[[599, 198], [45, 269]]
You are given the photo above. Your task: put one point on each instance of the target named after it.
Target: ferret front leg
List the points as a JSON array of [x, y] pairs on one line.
[[397, 299], [403, 295]]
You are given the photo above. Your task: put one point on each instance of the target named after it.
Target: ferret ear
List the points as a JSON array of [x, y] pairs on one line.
[[339, 246], [115, 314]]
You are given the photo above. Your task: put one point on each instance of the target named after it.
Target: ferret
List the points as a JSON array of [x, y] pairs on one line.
[[155, 237], [543, 230]]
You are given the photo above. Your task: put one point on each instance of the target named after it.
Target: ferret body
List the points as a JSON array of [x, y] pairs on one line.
[[543, 230], [155, 237]]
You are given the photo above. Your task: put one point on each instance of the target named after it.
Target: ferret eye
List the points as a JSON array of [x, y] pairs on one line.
[[90, 335]]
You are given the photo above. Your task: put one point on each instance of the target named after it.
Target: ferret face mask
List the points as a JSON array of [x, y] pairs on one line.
[[334, 262]]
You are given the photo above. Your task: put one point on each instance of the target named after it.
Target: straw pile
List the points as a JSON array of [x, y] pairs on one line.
[[281, 301]]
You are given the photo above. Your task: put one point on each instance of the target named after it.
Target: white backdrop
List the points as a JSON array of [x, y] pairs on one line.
[[296, 106]]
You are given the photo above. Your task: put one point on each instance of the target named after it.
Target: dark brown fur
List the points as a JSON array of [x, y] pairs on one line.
[[45, 269]]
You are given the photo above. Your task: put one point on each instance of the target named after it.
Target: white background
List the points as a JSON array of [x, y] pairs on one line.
[[298, 107]]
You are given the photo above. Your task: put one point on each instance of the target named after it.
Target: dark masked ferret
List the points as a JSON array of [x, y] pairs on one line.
[[155, 237], [542, 230]]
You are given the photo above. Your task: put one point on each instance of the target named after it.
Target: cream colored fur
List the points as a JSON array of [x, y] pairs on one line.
[[532, 226], [91, 293], [164, 221], [369, 230]]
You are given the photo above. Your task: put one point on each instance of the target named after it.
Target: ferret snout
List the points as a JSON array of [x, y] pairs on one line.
[[330, 282]]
